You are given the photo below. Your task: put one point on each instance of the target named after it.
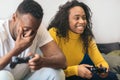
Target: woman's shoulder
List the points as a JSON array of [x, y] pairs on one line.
[[53, 29]]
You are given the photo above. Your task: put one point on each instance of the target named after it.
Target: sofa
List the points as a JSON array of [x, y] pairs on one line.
[[111, 53], [108, 47]]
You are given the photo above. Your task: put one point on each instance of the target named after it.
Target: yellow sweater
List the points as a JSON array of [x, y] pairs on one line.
[[73, 50]]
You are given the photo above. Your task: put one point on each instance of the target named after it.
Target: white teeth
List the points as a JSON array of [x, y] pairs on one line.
[[79, 26]]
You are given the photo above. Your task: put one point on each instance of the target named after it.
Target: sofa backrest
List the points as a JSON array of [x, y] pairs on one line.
[[108, 47]]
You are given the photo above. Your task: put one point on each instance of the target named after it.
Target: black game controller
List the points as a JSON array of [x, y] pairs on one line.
[[97, 69], [17, 60]]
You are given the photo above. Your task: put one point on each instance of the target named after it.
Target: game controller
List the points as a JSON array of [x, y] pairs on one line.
[[97, 69], [18, 60]]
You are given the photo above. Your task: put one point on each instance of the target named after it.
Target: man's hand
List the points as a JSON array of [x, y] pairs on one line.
[[24, 40], [84, 72], [35, 63]]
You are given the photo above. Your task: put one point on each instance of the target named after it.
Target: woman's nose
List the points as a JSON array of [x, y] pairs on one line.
[[81, 20]]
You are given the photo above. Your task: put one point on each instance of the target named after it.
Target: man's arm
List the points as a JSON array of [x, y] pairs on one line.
[[7, 58], [21, 44], [52, 56]]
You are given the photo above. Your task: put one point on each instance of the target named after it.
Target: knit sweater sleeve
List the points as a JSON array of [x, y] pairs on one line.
[[71, 71], [96, 56]]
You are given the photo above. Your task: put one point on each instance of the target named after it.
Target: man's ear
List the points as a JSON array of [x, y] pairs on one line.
[[14, 17]]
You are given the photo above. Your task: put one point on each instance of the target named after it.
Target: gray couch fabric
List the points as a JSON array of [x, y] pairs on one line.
[[113, 59], [111, 53]]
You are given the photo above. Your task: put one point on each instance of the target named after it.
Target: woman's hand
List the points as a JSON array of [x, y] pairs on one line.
[[104, 74], [84, 72]]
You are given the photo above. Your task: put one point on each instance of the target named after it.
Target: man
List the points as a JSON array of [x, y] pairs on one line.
[[21, 36]]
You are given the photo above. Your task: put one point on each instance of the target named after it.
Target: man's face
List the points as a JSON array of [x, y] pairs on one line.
[[77, 20], [27, 23]]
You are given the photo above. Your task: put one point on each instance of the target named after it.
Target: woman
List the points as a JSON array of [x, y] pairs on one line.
[[71, 28]]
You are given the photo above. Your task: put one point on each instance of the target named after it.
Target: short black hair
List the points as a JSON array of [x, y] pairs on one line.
[[32, 7]]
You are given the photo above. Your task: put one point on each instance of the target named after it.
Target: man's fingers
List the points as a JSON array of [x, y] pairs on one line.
[[35, 58], [20, 33], [30, 54], [34, 67], [28, 33]]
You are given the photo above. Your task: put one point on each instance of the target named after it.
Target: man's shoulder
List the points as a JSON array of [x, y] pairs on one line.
[[3, 24], [3, 29], [2, 21]]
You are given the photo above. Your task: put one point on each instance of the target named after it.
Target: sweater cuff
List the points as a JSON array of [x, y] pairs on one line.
[[71, 71]]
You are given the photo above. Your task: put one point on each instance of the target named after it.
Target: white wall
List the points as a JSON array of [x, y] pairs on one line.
[[7, 7], [106, 19], [106, 16]]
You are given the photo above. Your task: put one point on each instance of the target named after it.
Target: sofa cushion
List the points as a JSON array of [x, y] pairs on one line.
[[108, 47], [113, 59], [114, 53]]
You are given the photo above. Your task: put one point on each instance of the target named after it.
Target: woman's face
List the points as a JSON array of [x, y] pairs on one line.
[[77, 19]]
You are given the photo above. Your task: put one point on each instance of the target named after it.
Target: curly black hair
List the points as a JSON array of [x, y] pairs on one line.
[[61, 22], [32, 7]]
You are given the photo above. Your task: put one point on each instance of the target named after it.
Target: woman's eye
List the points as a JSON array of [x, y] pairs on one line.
[[84, 18], [76, 18]]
